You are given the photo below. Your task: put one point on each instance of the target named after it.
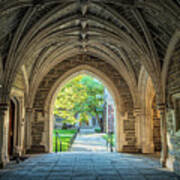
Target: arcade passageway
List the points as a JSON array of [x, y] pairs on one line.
[[88, 166], [132, 46], [88, 160]]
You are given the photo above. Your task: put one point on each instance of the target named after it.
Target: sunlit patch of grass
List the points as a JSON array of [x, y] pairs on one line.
[[108, 138], [65, 136]]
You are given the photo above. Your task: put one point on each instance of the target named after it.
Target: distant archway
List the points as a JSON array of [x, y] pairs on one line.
[[88, 70], [48, 87]]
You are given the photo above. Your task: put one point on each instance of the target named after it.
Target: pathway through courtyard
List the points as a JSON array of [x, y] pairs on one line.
[[88, 161], [88, 140]]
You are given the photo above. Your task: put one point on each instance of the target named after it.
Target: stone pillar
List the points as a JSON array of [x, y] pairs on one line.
[[137, 114], [29, 117], [164, 151], [3, 158], [120, 134], [147, 134]]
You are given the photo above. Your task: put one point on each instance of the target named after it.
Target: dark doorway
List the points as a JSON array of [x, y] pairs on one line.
[[11, 128]]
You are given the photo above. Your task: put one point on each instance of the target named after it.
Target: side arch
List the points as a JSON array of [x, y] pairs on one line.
[[175, 41], [148, 111]]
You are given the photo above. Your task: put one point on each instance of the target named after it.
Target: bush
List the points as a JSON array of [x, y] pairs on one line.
[[98, 130], [64, 126]]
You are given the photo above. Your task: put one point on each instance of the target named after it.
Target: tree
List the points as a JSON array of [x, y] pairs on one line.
[[82, 95]]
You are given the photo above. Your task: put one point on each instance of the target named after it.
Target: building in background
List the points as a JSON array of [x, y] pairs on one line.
[[109, 112]]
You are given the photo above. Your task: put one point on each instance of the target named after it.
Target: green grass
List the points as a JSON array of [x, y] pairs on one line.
[[108, 138], [66, 136]]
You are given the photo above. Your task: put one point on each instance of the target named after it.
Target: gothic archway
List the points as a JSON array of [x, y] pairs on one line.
[[47, 89]]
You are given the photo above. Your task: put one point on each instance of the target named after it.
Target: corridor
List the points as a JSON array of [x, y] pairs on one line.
[[87, 166], [88, 160]]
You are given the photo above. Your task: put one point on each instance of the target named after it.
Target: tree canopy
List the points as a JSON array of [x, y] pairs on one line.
[[82, 95]]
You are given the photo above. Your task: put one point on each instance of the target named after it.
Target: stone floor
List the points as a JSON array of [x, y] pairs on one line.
[[89, 164]]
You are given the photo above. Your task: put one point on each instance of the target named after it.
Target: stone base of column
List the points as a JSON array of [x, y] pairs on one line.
[[148, 149], [35, 149], [2, 165], [173, 164], [163, 160], [163, 163], [130, 149]]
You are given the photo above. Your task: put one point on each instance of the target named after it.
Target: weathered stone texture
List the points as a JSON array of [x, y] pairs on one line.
[[156, 131], [173, 80], [130, 137], [122, 35], [65, 66]]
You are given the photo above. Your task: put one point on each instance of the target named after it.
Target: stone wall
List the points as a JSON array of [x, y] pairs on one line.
[[37, 130], [173, 81], [113, 74], [129, 130], [156, 130], [172, 113]]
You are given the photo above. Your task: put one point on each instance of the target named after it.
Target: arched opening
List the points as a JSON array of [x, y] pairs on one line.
[[11, 128], [13, 131], [104, 122], [150, 138], [45, 95]]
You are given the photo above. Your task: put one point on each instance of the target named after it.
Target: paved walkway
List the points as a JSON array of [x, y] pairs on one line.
[[92, 164], [87, 140], [87, 166]]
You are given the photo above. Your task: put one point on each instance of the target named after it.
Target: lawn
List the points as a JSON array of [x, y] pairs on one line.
[[108, 138], [66, 136]]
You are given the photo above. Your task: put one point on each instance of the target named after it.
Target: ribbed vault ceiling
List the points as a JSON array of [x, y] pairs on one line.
[[125, 33]]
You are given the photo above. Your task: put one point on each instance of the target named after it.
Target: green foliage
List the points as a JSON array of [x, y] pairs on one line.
[[97, 130], [110, 138], [66, 136], [82, 95]]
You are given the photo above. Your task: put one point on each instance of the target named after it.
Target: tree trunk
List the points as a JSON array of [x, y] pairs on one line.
[[100, 121]]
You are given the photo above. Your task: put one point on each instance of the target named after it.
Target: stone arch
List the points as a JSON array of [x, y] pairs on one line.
[[171, 84], [85, 69], [101, 69], [171, 50], [43, 70], [25, 79], [149, 97], [13, 128], [147, 112], [171, 99]]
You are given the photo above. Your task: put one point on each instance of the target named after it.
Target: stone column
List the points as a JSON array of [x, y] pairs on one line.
[[28, 120], [164, 151], [137, 114], [120, 134], [3, 111]]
